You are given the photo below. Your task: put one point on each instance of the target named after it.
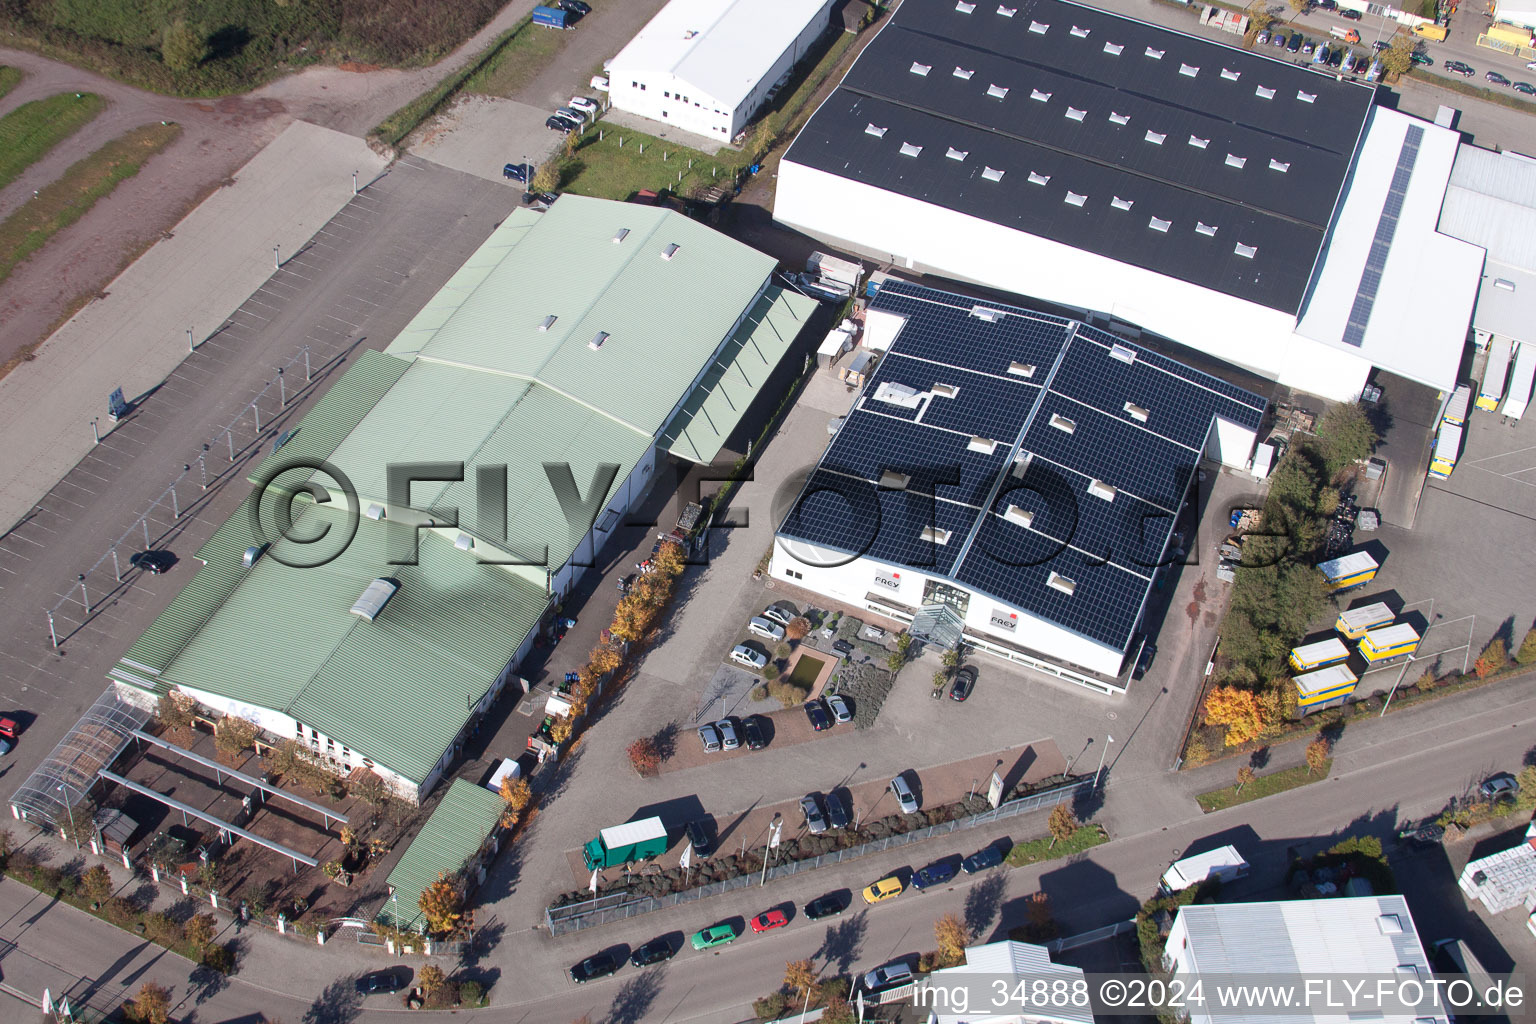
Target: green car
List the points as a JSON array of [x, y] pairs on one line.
[[714, 935], [1422, 58]]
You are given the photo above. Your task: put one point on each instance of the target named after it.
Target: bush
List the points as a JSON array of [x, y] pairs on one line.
[[759, 692], [770, 671], [644, 757], [1493, 658], [770, 1007], [219, 958], [798, 628], [471, 993], [1527, 653]]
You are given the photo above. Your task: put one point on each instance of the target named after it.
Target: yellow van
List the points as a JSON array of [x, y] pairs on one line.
[[1434, 32]]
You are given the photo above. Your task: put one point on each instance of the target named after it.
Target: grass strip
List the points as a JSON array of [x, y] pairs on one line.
[[1264, 785], [32, 129], [60, 203], [1035, 851], [394, 128], [621, 162], [516, 63], [1503, 97], [8, 78]]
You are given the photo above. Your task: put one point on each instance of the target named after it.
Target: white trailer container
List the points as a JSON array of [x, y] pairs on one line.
[[1495, 374], [831, 268], [1226, 864], [1456, 409], [1520, 382]]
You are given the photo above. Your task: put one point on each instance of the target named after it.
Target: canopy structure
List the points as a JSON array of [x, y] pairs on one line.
[[92, 744]]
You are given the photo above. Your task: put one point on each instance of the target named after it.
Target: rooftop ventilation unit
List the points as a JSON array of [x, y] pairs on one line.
[[935, 535], [997, 92], [1188, 70], [1264, 92], [957, 154], [1039, 28], [253, 554], [890, 480], [1019, 369], [1202, 228], [1246, 251], [1114, 49], [597, 340], [963, 73], [1504, 283], [984, 445], [1081, 33], [1306, 97], [1023, 517], [1236, 161], [1389, 924], [899, 394], [374, 598], [1198, 142], [1036, 94], [921, 69], [1075, 114], [1122, 204], [1158, 224], [1074, 199], [464, 542], [1119, 118], [908, 149], [878, 133], [992, 174], [1155, 54], [1056, 581], [945, 391], [549, 322], [1136, 412], [963, 7], [1007, 12], [374, 511], [986, 313], [670, 250], [1100, 489], [1063, 424], [1277, 165], [620, 235], [1124, 353], [1036, 178], [1156, 138], [1231, 75]]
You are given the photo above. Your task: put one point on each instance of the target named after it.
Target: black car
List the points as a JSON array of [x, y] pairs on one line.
[[516, 172], [837, 811], [654, 952], [965, 682], [593, 967], [574, 6], [1456, 67], [560, 124], [1496, 78], [390, 980], [829, 905], [817, 712], [1422, 59], [990, 857], [1295, 44], [1350, 15], [752, 733], [154, 562], [698, 835], [1144, 660], [936, 873]]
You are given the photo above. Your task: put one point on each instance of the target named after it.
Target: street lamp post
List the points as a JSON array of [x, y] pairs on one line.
[[69, 808], [773, 840], [1108, 739]]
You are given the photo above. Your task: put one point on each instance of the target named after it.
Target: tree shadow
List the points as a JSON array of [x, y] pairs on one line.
[[982, 903], [227, 41], [843, 942], [666, 741], [339, 1003], [1259, 758], [207, 983], [633, 1000]]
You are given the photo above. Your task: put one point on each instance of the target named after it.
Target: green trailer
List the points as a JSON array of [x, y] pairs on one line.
[[622, 844]]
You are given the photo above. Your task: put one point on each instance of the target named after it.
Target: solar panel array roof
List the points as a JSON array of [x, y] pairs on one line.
[[1020, 445], [1179, 155]]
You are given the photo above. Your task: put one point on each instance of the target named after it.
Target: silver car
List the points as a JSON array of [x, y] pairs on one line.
[[710, 737], [728, 738], [773, 613], [904, 795], [765, 629], [815, 820], [744, 655], [841, 710]]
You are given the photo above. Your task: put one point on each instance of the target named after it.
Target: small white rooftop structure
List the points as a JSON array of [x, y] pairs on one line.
[[1363, 935], [1004, 960], [1506, 879], [1491, 202]]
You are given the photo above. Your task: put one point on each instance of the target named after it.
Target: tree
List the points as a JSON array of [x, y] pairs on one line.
[[370, 789], [561, 730], [602, 660], [430, 979], [1244, 776], [632, 618], [152, 1005], [1238, 710], [644, 757], [1259, 18], [952, 936], [1527, 653], [1300, 6], [182, 47], [1317, 755], [442, 905], [798, 628], [670, 560], [546, 178], [1344, 436], [1398, 58], [837, 1011], [1062, 823], [799, 977], [176, 711], [517, 793], [235, 734], [200, 930], [96, 884], [1494, 657]]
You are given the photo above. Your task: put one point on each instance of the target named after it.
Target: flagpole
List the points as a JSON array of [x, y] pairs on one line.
[[1108, 740]]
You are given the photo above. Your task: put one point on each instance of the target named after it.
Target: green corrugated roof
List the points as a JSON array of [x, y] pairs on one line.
[[700, 428], [453, 834], [398, 689]]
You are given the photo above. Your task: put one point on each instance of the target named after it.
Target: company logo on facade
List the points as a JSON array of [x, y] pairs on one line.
[[889, 582], [1004, 620]]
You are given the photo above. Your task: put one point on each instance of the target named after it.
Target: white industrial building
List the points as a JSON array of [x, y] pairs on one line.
[[1294, 940], [1235, 203], [707, 65], [1491, 203], [1010, 479]]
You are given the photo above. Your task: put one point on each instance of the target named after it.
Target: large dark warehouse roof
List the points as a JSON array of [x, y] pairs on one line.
[[1179, 155]]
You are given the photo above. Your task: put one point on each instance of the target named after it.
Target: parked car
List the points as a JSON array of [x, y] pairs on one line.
[[698, 835], [586, 106], [817, 712], [752, 733], [773, 613], [1348, 15], [628, 582], [710, 737], [560, 124], [1531, 66], [153, 562], [1422, 59], [1456, 67], [1296, 41], [516, 172], [594, 967], [889, 976], [841, 709], [714, 935], [815, 818], [937, 873], [1497, 79], [572, 114], [1525, 88], [1144, 659], [654, 952], [829, 905], [599, 82], [760, 626], [965, 682], [1381, 44], [389, 980], [744, 655], [730, 739], [902, 790], [1502, 786], [887, 888], [1261, 39], [1422, 835], [989, 857], [1280, 39], [574, 6], [837, 811], [768, 920]]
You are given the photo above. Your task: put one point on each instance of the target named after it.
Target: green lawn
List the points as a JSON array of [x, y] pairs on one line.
[[1264, 785], [8, 79], [1037, 850], [61, 203], [623, 162], [528, 51], [32, 129]]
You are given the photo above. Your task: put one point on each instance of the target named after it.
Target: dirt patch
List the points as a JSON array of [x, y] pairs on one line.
[[352, 65]]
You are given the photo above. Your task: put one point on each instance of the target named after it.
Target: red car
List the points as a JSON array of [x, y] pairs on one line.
[[768, 920]]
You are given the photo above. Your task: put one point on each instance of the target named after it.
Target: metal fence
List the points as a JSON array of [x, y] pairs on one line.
[[624, 905]]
